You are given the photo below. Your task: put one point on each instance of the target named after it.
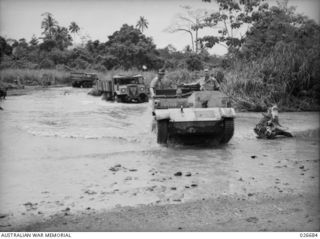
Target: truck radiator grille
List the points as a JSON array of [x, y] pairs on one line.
[[133, 91]]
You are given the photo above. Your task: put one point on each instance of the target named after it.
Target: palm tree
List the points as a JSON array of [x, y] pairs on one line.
[[48, 24], [34, 40], [142, 24], [74, 28], [62, 37]]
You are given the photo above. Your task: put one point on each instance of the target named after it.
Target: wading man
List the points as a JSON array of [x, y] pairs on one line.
[[156, 84]]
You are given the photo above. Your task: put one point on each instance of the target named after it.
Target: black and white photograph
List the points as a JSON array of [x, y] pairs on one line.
[[159, 116]]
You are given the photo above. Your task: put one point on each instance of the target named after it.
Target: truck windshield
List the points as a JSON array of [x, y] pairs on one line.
[[126, 81]]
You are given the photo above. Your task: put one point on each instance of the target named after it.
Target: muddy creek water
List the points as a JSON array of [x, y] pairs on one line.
[[62, 150]]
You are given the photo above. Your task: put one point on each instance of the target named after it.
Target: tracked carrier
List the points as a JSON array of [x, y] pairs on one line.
[[199, 113]]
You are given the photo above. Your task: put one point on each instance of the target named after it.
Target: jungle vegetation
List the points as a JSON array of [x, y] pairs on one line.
[[273, 53]]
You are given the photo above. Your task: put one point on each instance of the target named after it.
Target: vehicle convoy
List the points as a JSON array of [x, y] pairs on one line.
[[123, 89], [194, 113], [83, 80]]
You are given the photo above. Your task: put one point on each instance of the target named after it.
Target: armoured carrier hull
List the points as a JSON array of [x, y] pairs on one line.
[[202, 113]]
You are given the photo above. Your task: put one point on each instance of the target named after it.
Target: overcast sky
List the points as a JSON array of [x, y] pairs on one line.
[[100, 18]]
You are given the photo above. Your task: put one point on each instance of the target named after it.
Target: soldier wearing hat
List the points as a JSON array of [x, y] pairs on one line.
[[208, 82], [157, 83]]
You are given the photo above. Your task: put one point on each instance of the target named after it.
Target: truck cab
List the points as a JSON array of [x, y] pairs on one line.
[[124, 89]]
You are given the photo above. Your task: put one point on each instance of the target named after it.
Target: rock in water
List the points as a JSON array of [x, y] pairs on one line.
[[252, 219], [2, 215]]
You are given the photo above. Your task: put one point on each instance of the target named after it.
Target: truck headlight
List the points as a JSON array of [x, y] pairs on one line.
[[123, 90], [142, 88]]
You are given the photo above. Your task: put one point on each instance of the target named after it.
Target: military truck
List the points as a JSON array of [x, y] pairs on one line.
[[197, 113], [83, 80], [124, 89]]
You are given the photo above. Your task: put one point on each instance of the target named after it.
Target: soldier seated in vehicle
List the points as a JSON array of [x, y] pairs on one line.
[[208, 82], [157, 83]]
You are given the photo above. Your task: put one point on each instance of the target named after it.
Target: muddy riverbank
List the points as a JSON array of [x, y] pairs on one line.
[[70, 161], [225, 213]]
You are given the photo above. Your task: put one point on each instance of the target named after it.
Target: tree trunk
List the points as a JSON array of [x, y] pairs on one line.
[[196, 42]]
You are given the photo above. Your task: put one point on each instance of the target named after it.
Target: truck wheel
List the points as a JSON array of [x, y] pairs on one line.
[[84, 84], [143, 98], [162, 131], [117, 98], [106, 96], [228, 130], [87, 84], [75, 84]]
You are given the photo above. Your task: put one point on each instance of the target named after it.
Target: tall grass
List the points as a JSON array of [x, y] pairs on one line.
[[32, 77], [253, 86], [285, 77]]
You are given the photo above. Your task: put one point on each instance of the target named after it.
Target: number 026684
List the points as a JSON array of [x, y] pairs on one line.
[[309, 234]]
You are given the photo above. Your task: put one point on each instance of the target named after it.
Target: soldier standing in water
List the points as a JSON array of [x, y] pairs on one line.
[[156, 84]]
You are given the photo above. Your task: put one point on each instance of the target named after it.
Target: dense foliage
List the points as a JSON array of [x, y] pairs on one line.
[[276, 60], [125, 49], [280, 59], [230, 19]]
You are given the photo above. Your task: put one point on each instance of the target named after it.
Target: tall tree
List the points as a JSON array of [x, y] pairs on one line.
[[74, 28], [49, 25], [5, 48], [34, 41], [129, 48], [142, 24], [190, 22], [287, 48], [230, 17], [62, 37]]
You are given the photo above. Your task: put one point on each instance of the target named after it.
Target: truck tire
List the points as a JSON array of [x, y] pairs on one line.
[[162, 131], [117, 98], [87, 84], [84, 84], [106, 96], [143, 98], [75, 84], [228, 130]]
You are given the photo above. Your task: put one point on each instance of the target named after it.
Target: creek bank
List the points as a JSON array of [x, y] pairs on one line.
[[16, 90], [225, 213], [25, 90]]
